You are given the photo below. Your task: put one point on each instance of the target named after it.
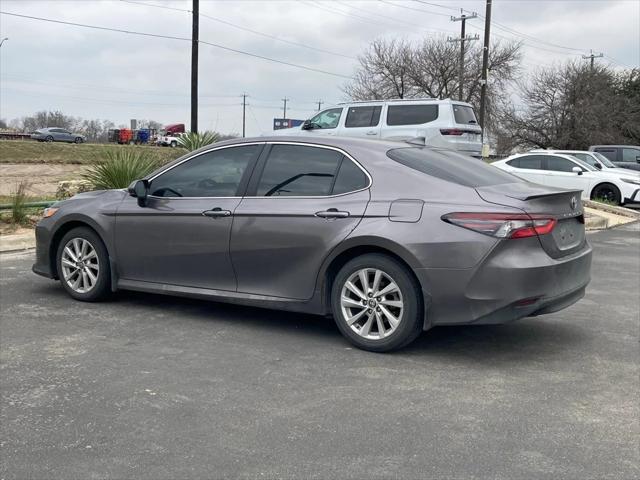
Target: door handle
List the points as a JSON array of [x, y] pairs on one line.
[[216, 212], [372, 133], [332, 213]]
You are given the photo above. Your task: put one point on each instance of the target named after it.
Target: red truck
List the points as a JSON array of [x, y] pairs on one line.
[[169, 135]]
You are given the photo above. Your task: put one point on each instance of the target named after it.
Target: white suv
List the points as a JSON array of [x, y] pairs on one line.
[[442, 123]]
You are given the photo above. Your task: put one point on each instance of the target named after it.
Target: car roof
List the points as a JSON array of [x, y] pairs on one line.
[[339, 142], [615, 146]]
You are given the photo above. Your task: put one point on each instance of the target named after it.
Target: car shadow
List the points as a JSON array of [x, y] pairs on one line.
[[531, 338]]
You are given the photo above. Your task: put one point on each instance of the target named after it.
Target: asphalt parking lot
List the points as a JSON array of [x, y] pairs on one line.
[[146, 386]]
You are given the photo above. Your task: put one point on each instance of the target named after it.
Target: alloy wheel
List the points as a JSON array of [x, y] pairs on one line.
[[80, 265], [371, 303]]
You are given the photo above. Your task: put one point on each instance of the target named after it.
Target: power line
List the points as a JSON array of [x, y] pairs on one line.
[[415, 9], [246, 29], [171, 37]]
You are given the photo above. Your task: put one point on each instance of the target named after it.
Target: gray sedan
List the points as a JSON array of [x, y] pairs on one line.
[[57, 135], [388, 238]]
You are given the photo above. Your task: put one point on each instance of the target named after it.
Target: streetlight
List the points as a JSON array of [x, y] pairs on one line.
[[5, 38]]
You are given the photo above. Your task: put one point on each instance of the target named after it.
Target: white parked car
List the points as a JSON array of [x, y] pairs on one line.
[[566, 171], [595, 159], [442, 123]]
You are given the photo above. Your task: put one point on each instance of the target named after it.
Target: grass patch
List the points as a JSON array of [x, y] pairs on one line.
[[604, 201], [28, 151]]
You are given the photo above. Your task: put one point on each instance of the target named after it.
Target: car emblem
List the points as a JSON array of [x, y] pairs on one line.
[[573, 202]]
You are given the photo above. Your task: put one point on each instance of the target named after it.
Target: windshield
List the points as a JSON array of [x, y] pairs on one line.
[[450, 166], [604, 160]]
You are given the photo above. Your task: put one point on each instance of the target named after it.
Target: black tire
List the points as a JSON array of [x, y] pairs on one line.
[[411, 318], [78, 140], [608, 192], [102, 287], [174, 144], [49, 139]]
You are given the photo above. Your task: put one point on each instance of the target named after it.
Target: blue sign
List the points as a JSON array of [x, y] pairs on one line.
[[280, 123]]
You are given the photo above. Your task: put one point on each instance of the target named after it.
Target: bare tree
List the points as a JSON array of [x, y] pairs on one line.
[[397, 69], [383, 73], [572, 106]]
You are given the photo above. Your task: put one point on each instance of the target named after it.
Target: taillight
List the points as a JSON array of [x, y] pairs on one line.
[[451, 131], [503, 225]]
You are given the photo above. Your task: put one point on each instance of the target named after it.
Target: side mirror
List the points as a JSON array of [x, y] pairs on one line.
[[307, 125], [598, 165], [140, 190], [577, 170]]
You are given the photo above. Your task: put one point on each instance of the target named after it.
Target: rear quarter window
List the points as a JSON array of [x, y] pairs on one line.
[[451, 167], [464, 114], [411, 114]]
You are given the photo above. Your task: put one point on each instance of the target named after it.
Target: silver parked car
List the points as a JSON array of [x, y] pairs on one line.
[[389, 238], [55, 134]]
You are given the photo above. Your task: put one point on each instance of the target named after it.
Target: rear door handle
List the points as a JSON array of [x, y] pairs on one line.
[[217, 212], [372, 133], [332, 213]]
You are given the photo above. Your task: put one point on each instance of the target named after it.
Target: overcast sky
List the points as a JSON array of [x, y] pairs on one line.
[[101, 74]]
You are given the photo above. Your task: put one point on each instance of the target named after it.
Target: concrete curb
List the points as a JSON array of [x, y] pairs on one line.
[[622, 211], [17, 243]]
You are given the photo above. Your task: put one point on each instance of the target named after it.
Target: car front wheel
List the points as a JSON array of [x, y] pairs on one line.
[[83, 265], [377, 303], [78, 140], [607, 192]]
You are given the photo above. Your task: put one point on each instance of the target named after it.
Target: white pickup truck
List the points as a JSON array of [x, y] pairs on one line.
[[168, 140]]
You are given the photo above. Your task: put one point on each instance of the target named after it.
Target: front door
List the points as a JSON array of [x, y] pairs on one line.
[[302, 202], [181, 237]]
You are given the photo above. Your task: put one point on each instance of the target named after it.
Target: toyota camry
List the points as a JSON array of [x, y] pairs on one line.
[[390, 239]]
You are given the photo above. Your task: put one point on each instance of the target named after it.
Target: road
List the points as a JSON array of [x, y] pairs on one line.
[[154, 387]]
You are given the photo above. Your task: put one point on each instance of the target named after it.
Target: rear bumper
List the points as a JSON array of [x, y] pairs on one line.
[[509, 284]]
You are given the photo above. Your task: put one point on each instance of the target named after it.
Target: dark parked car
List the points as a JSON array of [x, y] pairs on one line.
[[57, 135], [391, 239], [623, 156]]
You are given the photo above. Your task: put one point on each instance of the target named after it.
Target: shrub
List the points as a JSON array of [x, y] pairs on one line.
[[18, 207], [193, 141], [119, 168]]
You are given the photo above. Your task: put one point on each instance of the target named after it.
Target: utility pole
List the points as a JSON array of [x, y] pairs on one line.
[[320, 102], [284, 114], [244, 106], [462, 18], [195, 32], [485, 66], [592, 57]]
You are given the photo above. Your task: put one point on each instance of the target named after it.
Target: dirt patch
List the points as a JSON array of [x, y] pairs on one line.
[[42, 178]]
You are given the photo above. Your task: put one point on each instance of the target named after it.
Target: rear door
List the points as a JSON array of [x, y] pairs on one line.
[[406, 120], [362, 121], [302, 201]]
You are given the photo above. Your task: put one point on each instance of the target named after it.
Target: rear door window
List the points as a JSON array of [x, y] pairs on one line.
[[630, 155], [451, 167], [531, 162], [464, 114], [298, 170], [363, 116], [610, 153], [411, 114]]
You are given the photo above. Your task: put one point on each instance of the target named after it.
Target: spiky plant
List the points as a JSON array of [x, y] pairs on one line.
[[193, 141], [117, 169]]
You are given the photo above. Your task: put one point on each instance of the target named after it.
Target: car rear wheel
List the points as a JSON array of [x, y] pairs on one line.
[[78, 140], [607, 192], [83, 265], [49, 139], [377, 303]]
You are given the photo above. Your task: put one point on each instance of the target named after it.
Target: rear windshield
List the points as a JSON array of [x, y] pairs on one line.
[[464, 114], [450, 166]]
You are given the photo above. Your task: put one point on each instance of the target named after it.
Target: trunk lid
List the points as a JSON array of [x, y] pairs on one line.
[[564, 205]]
